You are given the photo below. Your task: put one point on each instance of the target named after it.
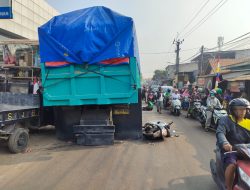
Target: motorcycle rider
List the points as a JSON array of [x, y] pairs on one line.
[[233, 129], [167, 95], [212, 102], [175, 95]]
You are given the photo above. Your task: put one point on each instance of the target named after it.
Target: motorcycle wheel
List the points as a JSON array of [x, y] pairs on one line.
[[178, 113], [213, 169]]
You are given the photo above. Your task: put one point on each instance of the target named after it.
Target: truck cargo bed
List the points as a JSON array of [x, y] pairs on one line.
[[8, 107], [83, 84]]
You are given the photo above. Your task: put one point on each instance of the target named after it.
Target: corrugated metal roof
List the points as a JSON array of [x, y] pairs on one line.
[[240, 78], [188, 67], [225, 63], [222, 55]]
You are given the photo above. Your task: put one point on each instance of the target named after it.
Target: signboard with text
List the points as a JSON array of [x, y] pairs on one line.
[[6, 9]]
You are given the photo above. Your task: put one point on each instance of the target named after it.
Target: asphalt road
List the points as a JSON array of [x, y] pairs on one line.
[[177, 163]]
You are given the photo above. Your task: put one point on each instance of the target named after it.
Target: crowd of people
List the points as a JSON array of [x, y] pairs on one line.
[[215, 97], [232, 130]]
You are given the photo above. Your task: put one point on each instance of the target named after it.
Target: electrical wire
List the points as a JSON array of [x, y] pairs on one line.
[[232, 41], [169, 52], [191, 57], [239, 45], [195, 16], [204, 19]]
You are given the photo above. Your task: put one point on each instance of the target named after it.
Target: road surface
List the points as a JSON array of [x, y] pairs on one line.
[[178, 163]]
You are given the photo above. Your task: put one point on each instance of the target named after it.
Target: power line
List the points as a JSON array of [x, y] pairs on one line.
[[239, 45], [239, 37], [191, 57], [156, 53], [169, 52], [204, 19], [234, 45], [232, 41], [193, 18], [210, 13]]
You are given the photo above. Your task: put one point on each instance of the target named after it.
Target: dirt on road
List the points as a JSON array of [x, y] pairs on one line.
[[177, 163]]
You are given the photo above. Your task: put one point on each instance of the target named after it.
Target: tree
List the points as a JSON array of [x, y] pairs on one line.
[[159, 75]]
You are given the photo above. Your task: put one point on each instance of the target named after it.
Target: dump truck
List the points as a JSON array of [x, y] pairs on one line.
[[91, 76]]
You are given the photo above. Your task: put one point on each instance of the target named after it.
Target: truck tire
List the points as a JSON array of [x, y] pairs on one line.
[[18, 140]]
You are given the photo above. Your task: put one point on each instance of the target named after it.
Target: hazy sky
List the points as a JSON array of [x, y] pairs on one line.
[[158, 21]]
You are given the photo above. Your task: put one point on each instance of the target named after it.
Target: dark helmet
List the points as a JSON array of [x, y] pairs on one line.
[[238, 102]]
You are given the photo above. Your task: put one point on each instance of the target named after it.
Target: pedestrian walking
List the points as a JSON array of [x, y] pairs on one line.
[[159, 100]]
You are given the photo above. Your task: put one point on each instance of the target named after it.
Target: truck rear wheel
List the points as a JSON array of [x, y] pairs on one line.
[[18, 140]]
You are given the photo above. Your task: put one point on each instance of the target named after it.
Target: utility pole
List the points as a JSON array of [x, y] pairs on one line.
[[178, 42], [201, 61]]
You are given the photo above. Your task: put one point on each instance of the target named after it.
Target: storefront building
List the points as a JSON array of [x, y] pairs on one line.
[[28, 15]]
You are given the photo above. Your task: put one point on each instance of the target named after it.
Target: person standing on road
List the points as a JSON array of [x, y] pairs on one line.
[[146, 95], [212, 102], [159, 100], [233, 129], [143, 93]]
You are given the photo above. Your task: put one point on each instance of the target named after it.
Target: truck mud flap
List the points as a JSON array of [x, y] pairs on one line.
[[128, 120]]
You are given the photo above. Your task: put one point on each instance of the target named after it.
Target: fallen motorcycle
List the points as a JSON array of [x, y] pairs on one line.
[[156, 130], [242, 174]]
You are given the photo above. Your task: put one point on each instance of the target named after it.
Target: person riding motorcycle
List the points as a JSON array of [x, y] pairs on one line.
[[175, 95], [233, 129], [166, 99], [212, 102]]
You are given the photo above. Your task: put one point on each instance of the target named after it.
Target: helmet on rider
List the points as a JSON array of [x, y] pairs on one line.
[[212, 94], [213, 91], [238, 103]]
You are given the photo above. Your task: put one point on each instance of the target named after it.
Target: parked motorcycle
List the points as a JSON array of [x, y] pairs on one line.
[[217, 113], [194, 109], [156, 130], [242, 174], [175, 107]]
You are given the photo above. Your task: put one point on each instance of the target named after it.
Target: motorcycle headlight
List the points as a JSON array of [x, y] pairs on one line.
[[244, 177]]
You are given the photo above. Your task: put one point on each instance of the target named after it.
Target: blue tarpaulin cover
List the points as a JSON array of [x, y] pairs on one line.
[[88, 35]]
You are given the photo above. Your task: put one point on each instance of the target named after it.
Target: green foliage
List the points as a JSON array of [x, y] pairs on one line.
[[159, 75]]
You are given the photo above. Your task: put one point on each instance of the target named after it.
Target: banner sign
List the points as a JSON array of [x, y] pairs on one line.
[[6, 9]]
